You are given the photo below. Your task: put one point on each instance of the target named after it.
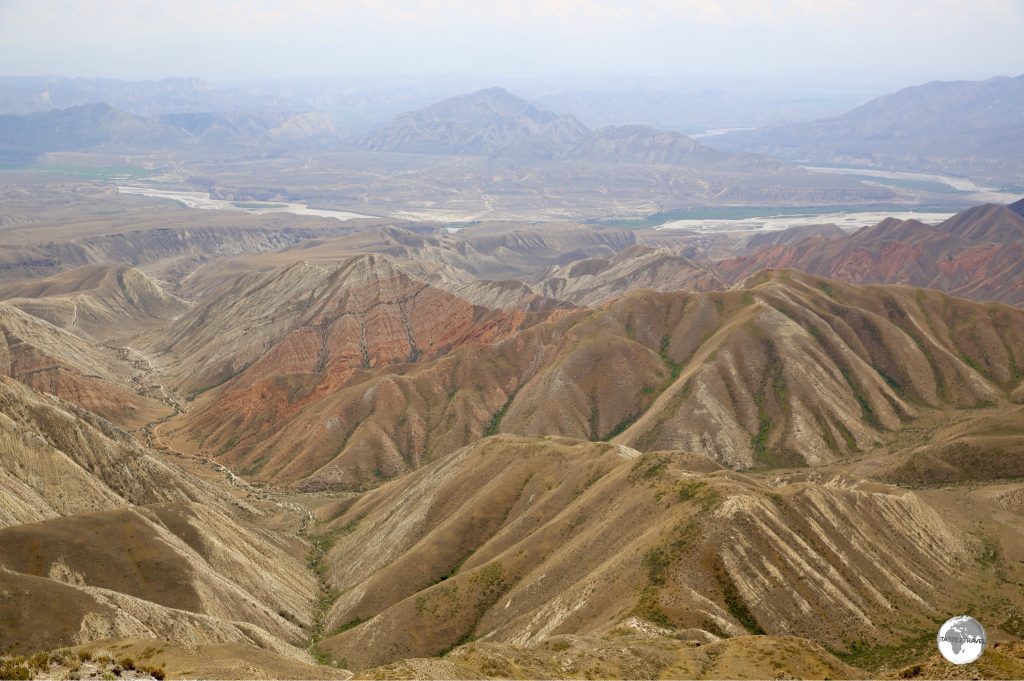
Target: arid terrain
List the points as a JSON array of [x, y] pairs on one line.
[[455, 395]]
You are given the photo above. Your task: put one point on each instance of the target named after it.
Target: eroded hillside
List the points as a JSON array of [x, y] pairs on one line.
[[102, 540], [517, 541], [788, 370]]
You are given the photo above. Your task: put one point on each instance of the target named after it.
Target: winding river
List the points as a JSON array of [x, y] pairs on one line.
[[203, 200]]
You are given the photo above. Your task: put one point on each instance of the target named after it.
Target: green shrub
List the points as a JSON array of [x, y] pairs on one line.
[[39, 661], [14, 668], [156, 672]]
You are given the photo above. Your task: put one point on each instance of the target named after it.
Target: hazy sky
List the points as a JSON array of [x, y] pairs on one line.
[[883, 41]]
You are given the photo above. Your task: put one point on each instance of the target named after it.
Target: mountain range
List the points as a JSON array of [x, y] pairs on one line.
[[686, 387], [495, 123], [963, 127], [100, 126], [25, 95], [358, 105], [605, 459], [240, 443], [490, 123]]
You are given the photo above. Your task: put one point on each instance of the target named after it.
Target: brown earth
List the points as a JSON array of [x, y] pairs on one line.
[[976, 254], [626, 654], [99, 301], [321, 322], [790, 369], [53, 360], [518, 541], [102, 540], [797, 477], [593, 281]]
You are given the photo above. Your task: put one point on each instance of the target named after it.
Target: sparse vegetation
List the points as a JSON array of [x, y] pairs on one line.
[[705, 495], [991, 551], [734, 602], [68, 664], [619, 428], [656, 562], [649, 608], [494, 426], [351, 624], [649, 466], [360, 400], [320, 546], [675, 368], [156, 672], [870, 655], [17, 668]]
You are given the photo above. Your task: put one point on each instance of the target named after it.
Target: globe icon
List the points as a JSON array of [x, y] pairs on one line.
[[961, 639]]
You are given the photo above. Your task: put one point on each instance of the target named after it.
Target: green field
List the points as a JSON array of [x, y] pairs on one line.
[[105, 173]]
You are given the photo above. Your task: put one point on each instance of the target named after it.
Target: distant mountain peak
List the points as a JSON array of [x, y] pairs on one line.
[[494, 122], [489, 122], [497, 93], [1018, 206], [968, 128]]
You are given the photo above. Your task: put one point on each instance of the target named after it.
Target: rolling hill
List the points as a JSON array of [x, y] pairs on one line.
[[740, 377], [104, 541], [320, 325], [99, 126], [595, 280], [977, 254], [523, 542], [53, 360], [99, 302], [89, 126]]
